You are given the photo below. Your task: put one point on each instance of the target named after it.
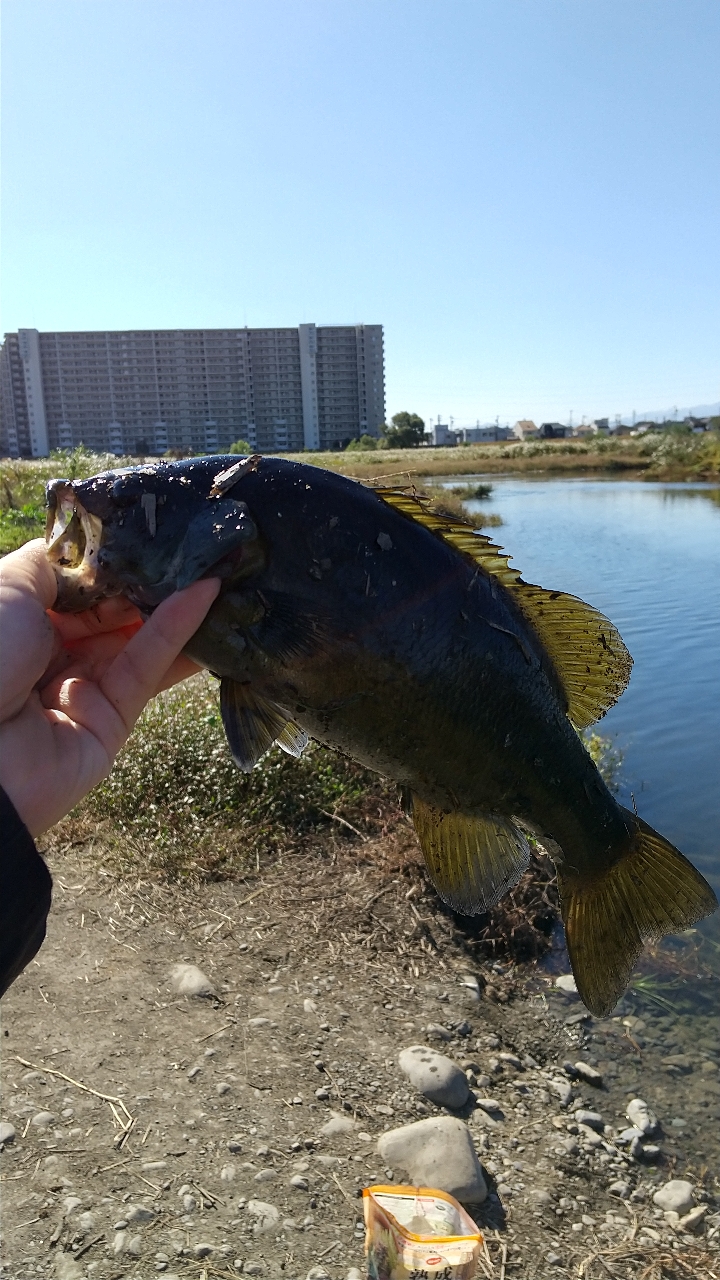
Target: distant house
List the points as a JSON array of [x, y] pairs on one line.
[[601, 424], [442, 435], [554, 431], [476, 435], [525, 429]]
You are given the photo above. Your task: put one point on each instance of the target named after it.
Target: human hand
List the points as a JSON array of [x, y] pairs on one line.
[[73, 685]]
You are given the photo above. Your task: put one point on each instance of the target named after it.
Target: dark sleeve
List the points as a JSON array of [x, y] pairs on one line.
[[25, 894]]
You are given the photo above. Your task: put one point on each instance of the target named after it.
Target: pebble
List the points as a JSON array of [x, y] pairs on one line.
[[227, 1173], [620, 1189], [488, 1104], [86, 1221], [66, 1267], [680, 1060], [266, 1215], [318, 1273], [692, 1219], [309, 1006], [71, 1203], [265, 1175], [120, 1225], [511, 1060], [337, 1124], [322, 1094], [567, 984], [119, 1243], [43, 1119], [222, 1088], [563, 1089], [193, 1072], [300, 1183], [234, 1145], [589, 1137], [202, 1250], [437, 1032], [437, 1152], [258, 1022], [676, 1195], [591, 1118], [139, 1213], [435, 1076], [588, 1073], [641, 1117], [153, 1166], [188, 980], [7, 1132]]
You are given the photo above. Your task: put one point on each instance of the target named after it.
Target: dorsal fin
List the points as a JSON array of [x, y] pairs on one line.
[[586, 650]]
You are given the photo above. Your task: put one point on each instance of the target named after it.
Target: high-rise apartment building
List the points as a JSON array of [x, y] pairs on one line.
[[147, 390]]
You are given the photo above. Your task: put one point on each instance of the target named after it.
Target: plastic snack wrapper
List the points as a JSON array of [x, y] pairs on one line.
[[418, 1233]]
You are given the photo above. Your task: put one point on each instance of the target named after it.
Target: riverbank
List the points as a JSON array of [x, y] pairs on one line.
[[658, 456], [671, 455], [230, 1132]]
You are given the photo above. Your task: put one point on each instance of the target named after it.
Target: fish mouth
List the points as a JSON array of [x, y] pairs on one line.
[[73, 537]]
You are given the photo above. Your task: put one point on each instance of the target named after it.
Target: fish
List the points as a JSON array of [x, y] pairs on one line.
[[360, 617]]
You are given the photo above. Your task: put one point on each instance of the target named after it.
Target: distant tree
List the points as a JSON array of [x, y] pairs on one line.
[[364, 443], [241, 446], [406, 431]]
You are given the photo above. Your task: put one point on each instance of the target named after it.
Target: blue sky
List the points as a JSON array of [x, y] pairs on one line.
[[525, 193]]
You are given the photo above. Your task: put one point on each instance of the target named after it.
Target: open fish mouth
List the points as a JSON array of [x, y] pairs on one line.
[[73, 537]]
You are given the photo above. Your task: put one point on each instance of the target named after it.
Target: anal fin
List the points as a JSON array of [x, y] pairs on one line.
[[253, 723], [471, 860]]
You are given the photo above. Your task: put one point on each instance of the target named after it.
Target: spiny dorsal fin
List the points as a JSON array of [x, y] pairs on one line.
[[586, 650], [253, 723], [471, 860]]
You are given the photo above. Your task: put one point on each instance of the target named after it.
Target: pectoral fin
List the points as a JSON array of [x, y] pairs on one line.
[[253, 723], [472, 861]]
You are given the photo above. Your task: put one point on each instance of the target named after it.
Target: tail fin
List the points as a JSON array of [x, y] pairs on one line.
[[652, 890]]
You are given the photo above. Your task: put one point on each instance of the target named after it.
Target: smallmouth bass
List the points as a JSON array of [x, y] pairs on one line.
[[404, 639]]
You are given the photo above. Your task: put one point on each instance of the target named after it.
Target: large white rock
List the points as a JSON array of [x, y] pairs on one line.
[[438, 1153], [435, 1076], [675, 1195], [641, 1117], [188, 980]]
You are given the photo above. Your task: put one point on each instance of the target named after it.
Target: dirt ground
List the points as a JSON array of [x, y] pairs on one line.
[[151, 1127]]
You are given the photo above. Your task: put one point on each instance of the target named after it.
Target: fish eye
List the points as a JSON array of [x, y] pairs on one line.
[[127, 489]]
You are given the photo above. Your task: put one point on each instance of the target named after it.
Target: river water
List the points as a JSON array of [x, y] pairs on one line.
[[648, 556]]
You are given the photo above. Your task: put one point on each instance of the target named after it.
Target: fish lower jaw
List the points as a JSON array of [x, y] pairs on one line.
[[73, 538]]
